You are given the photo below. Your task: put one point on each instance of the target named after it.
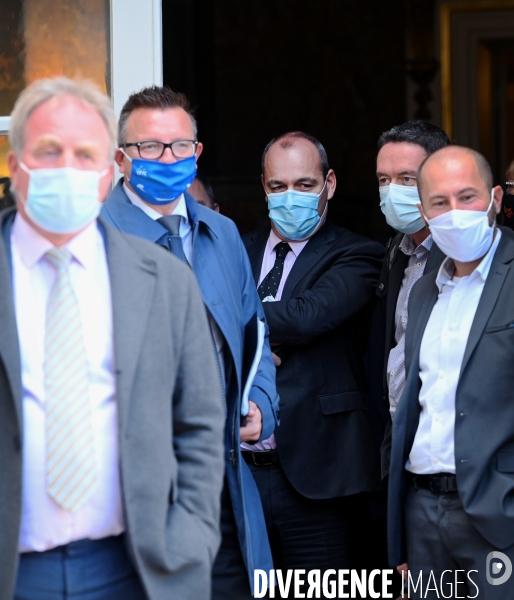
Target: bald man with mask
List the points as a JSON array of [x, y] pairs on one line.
[[451, 487], [316, 282]]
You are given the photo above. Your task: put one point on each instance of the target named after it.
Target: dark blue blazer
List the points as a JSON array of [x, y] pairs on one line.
[[223, 272], [484, 423]]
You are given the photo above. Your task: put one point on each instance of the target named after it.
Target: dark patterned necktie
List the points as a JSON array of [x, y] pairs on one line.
[[269, 285], [172, 224]]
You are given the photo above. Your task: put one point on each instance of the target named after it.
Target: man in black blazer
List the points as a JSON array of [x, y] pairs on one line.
[[409, 255], [451, 481], [317, 284]]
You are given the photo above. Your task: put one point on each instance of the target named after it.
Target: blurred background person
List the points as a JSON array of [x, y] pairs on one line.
[[202, 192], [7, 198]]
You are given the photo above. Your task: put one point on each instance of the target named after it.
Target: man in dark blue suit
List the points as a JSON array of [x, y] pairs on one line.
[[157, 155], [451, 480], [317, 285]]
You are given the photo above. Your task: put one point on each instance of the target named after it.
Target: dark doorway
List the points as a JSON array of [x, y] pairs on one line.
[[258, 68], [496, 103]]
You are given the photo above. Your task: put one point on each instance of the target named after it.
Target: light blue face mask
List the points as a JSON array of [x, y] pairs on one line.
[[62, 200], [399, 205], [295, 214]]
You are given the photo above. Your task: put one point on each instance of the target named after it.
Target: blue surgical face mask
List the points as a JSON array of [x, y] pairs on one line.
[[62, 200], [161, 183], [399, 205], [295, 214]]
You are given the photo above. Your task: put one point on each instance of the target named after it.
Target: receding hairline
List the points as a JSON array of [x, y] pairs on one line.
[[41, 91], [483, 167], [289, 140]]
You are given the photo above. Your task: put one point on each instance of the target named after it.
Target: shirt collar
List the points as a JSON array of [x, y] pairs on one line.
[[408, 245], [296, 247], [180, 209], [447, 269], [32, 246]]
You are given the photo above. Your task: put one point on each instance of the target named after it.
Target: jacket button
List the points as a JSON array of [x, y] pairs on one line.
[[16, 442], [380, 287]]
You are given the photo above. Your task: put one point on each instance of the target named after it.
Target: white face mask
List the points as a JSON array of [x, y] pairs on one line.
[[399, 203], [464, 235], [62, 200]]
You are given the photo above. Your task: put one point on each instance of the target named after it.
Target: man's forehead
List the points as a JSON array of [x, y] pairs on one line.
[[293, 157], [457, 170], [400, 155], [65, 116], [163, 118]]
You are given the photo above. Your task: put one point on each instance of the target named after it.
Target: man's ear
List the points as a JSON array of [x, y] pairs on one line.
[[498, 198], [262, 181], [14, 166], [331, 184], [199, 150], [119, 158]]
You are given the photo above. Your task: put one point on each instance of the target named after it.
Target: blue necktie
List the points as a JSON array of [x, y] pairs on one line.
[[172, 224]]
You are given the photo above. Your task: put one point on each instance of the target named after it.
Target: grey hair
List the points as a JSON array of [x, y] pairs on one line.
[[42, 90]]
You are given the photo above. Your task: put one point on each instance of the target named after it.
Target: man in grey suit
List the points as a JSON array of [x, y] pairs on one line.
[[451, 481], [111, 416]]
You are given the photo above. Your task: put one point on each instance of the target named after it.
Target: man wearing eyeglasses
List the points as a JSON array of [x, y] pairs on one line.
[[157, 155]]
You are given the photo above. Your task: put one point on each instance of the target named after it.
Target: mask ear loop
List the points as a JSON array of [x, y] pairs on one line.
[[322, 217]]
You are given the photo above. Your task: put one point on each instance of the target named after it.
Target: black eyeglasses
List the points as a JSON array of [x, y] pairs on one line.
[[154, 150]]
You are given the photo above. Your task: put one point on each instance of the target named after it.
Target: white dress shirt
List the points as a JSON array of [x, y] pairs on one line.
[[441, 353], [45, 524], [186, 235], [268, 260]]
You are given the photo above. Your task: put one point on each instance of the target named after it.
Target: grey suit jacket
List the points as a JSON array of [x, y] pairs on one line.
[[169, 413], [484, 422]]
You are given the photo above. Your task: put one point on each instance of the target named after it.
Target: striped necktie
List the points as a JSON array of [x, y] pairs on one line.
[[70, 457]]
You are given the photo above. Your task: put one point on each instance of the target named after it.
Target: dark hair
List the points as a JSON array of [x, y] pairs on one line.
[[153, 97], [204, 180], [287, 142], [428, 136]]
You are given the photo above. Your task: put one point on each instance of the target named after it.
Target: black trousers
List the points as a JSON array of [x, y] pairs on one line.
[[304, 533], [229, 575]]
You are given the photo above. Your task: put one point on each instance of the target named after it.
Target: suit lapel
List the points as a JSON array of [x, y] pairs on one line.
[[9, 344], [309, 256], [133, 282], [435, 259], [492, 288], [256, 252], [419, 322]]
